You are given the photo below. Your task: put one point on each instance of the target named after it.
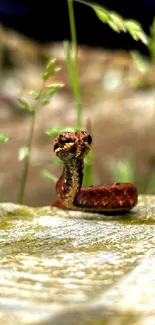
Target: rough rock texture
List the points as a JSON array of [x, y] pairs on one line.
[[65, 267]]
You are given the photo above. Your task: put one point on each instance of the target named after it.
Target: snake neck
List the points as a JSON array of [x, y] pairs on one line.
[[70, 182]]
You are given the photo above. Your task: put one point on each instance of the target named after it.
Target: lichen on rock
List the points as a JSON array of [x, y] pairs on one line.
[[71, 267]]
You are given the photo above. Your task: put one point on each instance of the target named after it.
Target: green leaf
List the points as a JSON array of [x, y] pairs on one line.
[[136, 31], [123, 171], [51, 67], [114, 20], [34, 94], [4, 138], [88, 169], [50, 70], [151, 44], [141, 62], [53, 89], [56, 86], [26, 106], [47, 96], [117, 23], [23, 152], [101, 13], [71, 69], [151, 185], [44, 75], [57, 162], [53, 132], [46, 174]]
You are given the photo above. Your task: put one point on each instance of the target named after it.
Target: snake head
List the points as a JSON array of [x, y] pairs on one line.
[[70, 145]]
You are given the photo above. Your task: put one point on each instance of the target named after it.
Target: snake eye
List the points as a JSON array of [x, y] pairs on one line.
[[63, 140], [64, 144]]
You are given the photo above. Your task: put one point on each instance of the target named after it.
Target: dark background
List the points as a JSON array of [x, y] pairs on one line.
[[47, 20]]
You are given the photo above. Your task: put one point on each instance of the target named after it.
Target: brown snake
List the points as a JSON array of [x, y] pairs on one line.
[[71, 148]]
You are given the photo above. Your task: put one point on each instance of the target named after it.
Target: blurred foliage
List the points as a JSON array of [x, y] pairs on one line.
[[118, 23], [4, 138], [122, 170], [42, 97]]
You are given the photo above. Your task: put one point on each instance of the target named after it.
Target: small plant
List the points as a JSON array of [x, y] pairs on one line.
[[143, 64], [4, 138], [118, 23], [123, 171], [42, 97], [151, 43], [73, 64]]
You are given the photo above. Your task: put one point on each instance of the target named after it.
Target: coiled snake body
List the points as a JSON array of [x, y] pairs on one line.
[[71, 148]]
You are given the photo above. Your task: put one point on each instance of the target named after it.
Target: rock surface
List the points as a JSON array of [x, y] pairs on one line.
[[66, 267]]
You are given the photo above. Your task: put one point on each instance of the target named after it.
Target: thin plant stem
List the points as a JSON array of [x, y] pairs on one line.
[[86, 3], [73, 69], [29, 145], [73, 31], [76, 87], [26, 162]]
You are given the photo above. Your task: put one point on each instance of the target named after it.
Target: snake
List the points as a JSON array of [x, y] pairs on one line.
[[71, 148]]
